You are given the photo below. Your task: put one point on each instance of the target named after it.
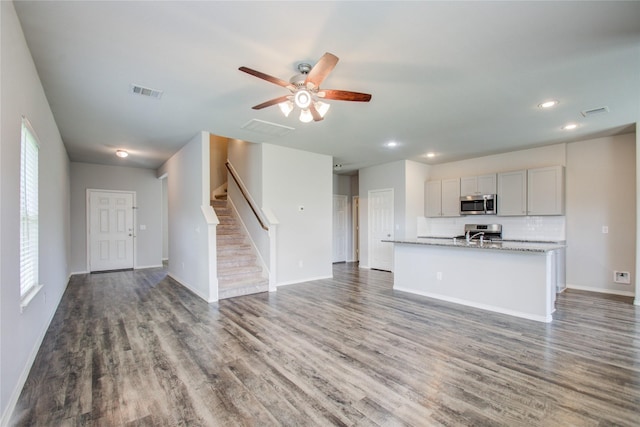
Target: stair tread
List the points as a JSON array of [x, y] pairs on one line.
[[239, 272]]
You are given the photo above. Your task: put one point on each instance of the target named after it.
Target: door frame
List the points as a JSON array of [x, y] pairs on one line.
[[88, 222], [355, 229], [346, 227]]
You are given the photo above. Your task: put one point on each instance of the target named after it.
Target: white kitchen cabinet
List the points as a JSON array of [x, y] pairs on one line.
[[512, 193], [442, 198], [545, 191], [477, 185], [537, 191]]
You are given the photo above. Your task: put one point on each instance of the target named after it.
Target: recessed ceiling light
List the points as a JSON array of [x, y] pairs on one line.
[[122, 153], [430, 155], [548, 104], [569, 126], [391, 144]]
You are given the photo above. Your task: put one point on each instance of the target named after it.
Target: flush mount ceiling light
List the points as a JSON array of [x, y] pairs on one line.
[[548, 104], [569, 126], [122, 153], [391, 144], [305, 90], [431, 155]]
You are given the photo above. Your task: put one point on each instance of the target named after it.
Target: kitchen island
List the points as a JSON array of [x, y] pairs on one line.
[[510, 277]]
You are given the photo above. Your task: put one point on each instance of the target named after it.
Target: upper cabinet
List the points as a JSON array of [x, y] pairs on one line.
[[545, 191], [442, 198], [512, 193], [531, 192], [477, 185]]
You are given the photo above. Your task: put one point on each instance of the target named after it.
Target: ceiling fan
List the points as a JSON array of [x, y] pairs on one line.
[[305, 90]]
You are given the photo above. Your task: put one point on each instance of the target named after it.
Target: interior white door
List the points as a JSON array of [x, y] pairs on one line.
[[340, 212], [381, 227], [111, 230]]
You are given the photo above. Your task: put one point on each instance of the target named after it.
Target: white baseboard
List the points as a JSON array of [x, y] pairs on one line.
[[185, 285], [140, 267], [601, 290], [538, 318], [308, 279], [22, 379], [73, 273]]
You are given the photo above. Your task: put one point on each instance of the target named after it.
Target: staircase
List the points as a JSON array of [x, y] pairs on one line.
[[239, 271]]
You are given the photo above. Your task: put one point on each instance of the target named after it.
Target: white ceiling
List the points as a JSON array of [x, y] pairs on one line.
[[460, 79]]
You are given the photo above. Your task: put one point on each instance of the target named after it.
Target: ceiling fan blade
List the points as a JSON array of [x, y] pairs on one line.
[[321, 70], [267, 77], [316, 115], [344, 95], [271, 102]]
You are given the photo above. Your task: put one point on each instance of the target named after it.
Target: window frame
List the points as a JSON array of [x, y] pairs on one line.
[[29, 213]]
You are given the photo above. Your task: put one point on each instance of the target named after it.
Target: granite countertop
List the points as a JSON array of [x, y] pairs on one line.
[[505, 245]]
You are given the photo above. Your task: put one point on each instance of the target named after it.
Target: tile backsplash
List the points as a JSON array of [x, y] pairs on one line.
[[542, 228]]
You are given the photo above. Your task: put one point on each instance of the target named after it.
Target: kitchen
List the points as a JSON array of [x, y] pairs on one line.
[[598, 223], [480, 268]]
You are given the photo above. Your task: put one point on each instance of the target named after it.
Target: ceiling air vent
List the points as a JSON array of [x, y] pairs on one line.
[[267, 128], [145, 91], [594, 111]]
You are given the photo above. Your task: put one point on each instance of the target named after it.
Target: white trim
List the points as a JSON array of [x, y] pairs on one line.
[[310, 279], [22, 379], [545, 319], [601, 291], [141, 267], [186, 286], [88, 223], [29, 296]]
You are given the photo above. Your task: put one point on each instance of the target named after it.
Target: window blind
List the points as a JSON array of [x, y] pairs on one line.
[[28, 210]]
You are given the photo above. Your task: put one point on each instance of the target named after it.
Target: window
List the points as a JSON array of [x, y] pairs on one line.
[[29, 147]]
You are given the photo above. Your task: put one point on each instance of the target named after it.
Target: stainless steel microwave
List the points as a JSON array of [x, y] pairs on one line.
[[485, 204]]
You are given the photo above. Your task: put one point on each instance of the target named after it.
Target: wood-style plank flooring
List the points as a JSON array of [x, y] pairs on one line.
[[135, 348]]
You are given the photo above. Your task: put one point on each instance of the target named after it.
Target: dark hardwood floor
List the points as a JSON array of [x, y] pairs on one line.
[[135, 348]]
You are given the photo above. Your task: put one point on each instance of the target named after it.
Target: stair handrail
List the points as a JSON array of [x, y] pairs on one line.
[[245, 194]]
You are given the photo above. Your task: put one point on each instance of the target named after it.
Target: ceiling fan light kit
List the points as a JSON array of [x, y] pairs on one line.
[[305, 90]]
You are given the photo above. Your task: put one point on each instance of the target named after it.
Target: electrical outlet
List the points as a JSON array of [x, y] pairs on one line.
[[622, 277], [605, 229], [439, 275]]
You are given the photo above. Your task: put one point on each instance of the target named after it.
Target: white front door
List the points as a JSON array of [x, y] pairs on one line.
[[111, 230], [381, 227], [339, 228]]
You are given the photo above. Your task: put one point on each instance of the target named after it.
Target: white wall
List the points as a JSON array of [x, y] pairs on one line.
[[192, 239], [22, 94], [218, 157], [386, 176], [246, 158], [601, 191], [415, 176], [148, 191], [293, 179]]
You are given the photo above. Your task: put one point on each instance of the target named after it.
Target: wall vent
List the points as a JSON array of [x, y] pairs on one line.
[[594, 111], [145, 91], [267, 128]]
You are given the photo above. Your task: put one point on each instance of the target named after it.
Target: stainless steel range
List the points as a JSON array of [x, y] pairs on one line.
[[483, 232]]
